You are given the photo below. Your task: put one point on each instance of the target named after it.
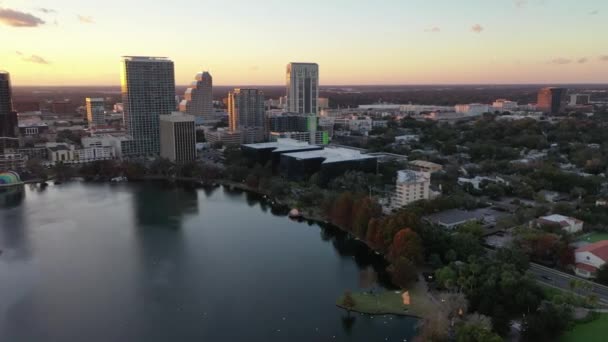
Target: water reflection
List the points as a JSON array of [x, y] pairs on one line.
[[163, 206], [11, 197]]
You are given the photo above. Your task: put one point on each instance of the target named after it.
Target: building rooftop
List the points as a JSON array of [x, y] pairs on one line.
[[599, 249], [331, 155], [561, 220], [409, 176], [458, 216], [282, 144], [146, 59], [424, 163], [177, 117]]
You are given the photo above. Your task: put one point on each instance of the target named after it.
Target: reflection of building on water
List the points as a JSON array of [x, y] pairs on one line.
[[164, 207], [11, 197]]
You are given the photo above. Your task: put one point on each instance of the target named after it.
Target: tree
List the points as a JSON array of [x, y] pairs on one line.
[[546, 324], [406, 244], [468, 332], [403, 272], [602, 275], [348, 302], [435, 328]]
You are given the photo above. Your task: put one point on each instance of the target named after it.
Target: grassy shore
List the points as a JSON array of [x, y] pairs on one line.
[[594, 331]]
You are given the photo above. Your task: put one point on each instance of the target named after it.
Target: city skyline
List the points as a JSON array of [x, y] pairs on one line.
[[470, 42]]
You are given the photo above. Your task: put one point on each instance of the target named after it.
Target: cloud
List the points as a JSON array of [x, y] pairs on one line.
[[19, 19], [32, 59], [433, 29], [561, 61], [582, 60], [47, 10], [594, 12], [604, 58], [477, 28], [86, 19]]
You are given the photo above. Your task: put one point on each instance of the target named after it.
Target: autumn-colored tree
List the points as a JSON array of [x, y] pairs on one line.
[[407, 244], [363, 211], [348, 302], [341, 213]]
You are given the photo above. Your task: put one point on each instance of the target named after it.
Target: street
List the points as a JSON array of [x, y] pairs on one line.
[[561, 280]]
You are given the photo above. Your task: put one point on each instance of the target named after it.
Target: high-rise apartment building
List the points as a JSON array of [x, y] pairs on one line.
[[8, 117], [551, 100], [198, 99], [148, 91], [178, 137], [303, 88], [95, 111], [246, 113], [411, 186]]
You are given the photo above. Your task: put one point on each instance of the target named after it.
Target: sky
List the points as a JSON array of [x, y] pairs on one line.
[[244, 42]]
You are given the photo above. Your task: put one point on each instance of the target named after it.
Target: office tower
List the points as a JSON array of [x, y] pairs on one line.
[[178, 137], [198, 99], [303, 88], [551, 100], [8, 117], [246, 113], [148, 91], [579, 99], [95, 111]]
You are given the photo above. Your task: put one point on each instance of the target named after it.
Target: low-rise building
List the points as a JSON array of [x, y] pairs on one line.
[[224, 136], [407, 138], [320, 137], [328, 163], [568, 224], [425, 166], [590, 258], [453, 218], [10, 160], [262, 153]]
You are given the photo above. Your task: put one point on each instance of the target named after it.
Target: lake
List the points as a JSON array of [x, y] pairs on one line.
[[149, 262]]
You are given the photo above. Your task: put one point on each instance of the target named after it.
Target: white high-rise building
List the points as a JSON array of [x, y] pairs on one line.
[[246, 113], [303, 88], [178, 137], [198, 99], [148, 91], [95, 111]]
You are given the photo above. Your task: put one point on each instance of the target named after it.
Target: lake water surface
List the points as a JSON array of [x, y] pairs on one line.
[[146, 262]]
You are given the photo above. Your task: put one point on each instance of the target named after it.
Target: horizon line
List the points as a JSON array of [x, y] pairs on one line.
[[344, 85]]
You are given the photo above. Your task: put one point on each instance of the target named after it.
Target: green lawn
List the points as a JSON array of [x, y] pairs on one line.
[[594, 331], [594, 237], [387, 302], [391, 302]]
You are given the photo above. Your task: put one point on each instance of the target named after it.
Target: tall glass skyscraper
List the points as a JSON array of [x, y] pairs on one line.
[[148, 91], [303, 88], [8, 117], [198, 99], [246, 113]]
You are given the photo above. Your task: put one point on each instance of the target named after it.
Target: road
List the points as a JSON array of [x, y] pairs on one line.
[[561, 280]]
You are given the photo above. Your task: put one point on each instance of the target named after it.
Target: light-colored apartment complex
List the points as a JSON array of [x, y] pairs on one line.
[[411, 186], [178, 137]]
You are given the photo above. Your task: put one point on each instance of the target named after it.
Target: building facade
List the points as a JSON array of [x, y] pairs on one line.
[[246, 114], [95, 111], [178, 137], [590, 258], [148, 91], [198, 99], [551, 100], [411, 186], [8, 117], [303, 88]]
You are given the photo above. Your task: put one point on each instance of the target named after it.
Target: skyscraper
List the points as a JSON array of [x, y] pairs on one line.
[[178, 137], [8, 117], [246, 113], [148, 91], [198, 99], [303, 88], [551, 100], [95, 111]]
